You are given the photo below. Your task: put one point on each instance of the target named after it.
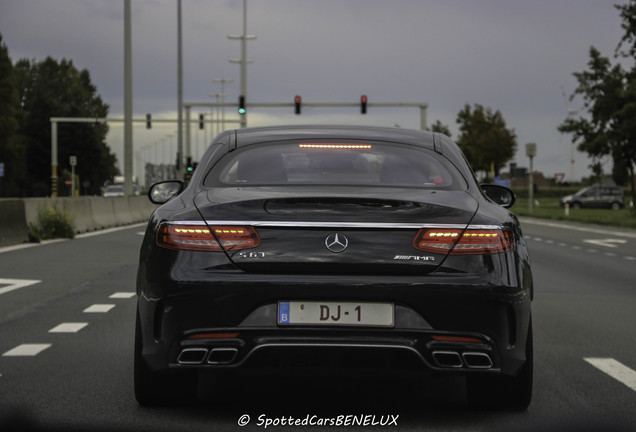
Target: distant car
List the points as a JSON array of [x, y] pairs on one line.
[[116, 190], [334, 247], [596, 196]]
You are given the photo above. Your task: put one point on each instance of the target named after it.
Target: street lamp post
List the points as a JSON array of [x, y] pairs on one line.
[[179, 94], [243, 61], [531, 152], [216, 131], [223, 81]]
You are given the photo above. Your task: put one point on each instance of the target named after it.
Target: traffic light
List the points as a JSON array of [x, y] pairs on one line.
[[201, 124], [297, 101], [187, 176], [241, 105], [363, 104], [148, 121]]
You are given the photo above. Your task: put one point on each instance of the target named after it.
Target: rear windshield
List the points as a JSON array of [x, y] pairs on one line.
[[335, 163]]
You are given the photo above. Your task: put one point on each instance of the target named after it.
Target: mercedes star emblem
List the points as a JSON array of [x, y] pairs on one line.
[[336, 242]]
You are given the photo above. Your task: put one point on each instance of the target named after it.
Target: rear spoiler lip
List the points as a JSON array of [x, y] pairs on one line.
[[365, 225]]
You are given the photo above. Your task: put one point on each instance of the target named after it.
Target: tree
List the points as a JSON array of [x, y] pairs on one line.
[[484, 138], [609, 96], [440, 127], [11, 151], [57, 89]]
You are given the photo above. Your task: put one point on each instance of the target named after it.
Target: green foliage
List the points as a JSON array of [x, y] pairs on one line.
[[548, 208], [12, 153], [53, 222], [609, 99], [440, 127], [57, 89], [32, 92], [484, 138]]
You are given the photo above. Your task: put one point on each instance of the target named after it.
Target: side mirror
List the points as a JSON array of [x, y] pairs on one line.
[[162, 192], [499, 194]]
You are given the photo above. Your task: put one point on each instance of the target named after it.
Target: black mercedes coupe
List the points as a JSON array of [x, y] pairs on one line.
[[344, 246]]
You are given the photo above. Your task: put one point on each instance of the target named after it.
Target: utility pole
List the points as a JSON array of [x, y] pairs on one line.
[[128, 135], [180, 95], [531, 152], [223, 81], [243, 61], [215, 131]]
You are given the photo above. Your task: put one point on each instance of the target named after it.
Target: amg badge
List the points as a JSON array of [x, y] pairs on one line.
[[414, 258]]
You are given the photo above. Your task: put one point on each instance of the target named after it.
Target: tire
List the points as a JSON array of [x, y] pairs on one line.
[[503, 392], [575, 205], [616, 206], [161, 388]]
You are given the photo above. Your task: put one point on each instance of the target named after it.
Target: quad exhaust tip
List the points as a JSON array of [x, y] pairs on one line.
[[222, 355], [191, 356], [448, 359], [470, 360], [195, 356], [477, 360]]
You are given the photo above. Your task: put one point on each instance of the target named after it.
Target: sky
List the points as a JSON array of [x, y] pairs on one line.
[[514, 56]]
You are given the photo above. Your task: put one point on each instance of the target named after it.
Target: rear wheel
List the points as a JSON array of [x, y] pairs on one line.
[[154, 388], [616, 205], [503, 392]]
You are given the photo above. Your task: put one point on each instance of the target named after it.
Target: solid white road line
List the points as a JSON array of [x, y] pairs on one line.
[[628, 234], [125, 295], [99, 308], [72, 327], [14, 284], [109, 230], [26, 350], [615, 369]]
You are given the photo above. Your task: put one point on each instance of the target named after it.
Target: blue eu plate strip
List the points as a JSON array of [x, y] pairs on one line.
[[283, 312]]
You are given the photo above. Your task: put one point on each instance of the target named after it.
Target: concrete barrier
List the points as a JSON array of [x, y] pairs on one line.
[[81, 212], [13, 226], [87, 214], [103, 212]]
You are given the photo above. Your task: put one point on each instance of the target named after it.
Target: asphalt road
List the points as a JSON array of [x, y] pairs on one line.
[[67, 314]]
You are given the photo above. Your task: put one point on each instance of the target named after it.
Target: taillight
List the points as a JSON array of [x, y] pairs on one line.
[[200, 238], [463, 242]]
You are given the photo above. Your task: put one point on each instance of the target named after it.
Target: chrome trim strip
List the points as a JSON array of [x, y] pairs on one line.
[[367, 225]]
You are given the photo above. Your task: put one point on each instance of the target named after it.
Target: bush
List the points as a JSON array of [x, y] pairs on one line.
[[52, 223]]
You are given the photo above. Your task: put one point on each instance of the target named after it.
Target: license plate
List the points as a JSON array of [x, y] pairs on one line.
[[335, 313]]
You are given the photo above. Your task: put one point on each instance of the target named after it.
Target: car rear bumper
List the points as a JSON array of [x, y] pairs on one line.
[[442, 326]]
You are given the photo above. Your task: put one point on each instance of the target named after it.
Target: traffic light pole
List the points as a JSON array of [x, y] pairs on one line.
[[188, 105], [422, 106], [54, 141]]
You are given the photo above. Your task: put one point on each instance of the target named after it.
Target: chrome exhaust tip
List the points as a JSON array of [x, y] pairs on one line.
[[477, 360], [191, 356], [447, 359], [222, 355]]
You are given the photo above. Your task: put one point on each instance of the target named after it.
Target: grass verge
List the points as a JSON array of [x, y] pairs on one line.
[[548, 208]]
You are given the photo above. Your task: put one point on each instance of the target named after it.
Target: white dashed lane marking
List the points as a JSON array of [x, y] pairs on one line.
[[33, 349], [615, 369], [588, 250], [26, 350], [123, 295], [99, 308], [72, 327]]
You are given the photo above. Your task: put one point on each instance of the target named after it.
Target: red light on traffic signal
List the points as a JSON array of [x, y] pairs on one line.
[[297, 101]]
